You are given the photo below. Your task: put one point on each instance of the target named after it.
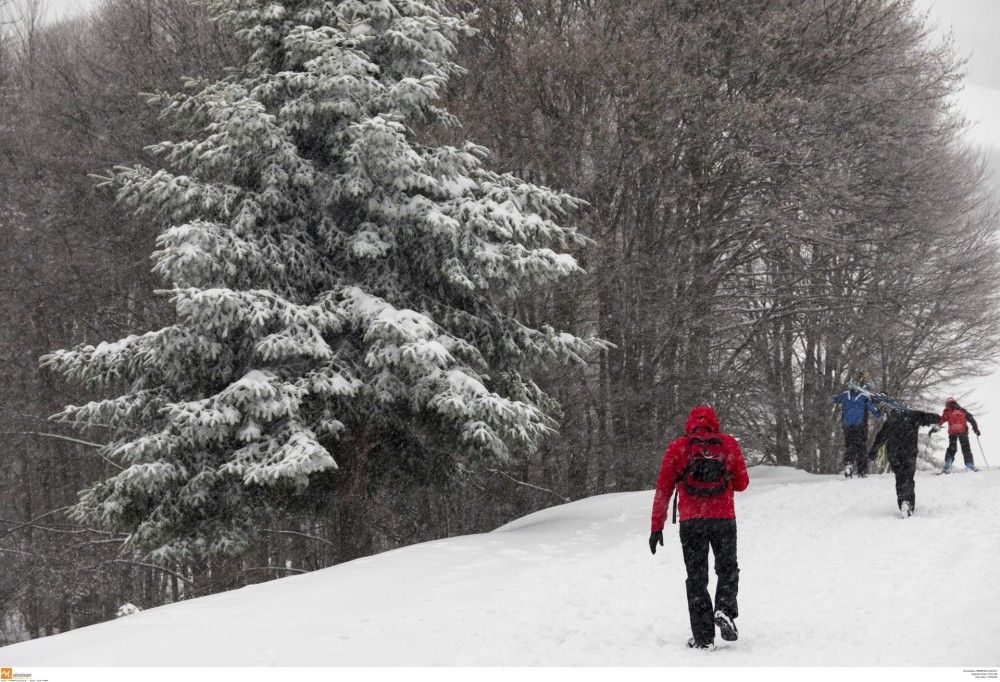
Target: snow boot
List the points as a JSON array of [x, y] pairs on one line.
[[848, 473], [726, 627], [947, 468], [971, 467], [695, 644], [905, 510]]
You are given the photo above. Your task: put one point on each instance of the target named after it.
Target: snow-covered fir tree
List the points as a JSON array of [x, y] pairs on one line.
[[341, 285]]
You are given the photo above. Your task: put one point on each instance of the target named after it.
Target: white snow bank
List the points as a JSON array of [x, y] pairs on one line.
[[829, 576]]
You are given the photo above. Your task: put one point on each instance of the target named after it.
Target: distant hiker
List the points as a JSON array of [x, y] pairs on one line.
[[958, 419], [705, 466], [899, 434], [855, 406]]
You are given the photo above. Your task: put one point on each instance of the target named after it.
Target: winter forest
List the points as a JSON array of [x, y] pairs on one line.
[[288, 283]]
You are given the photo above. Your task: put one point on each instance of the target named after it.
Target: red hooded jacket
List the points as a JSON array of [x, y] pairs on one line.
[[957, 418], [701, 419]]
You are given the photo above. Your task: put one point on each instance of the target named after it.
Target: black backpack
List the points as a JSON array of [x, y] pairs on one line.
[[706, 473]]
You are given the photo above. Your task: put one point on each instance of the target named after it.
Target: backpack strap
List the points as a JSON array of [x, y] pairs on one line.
[[676, 494]]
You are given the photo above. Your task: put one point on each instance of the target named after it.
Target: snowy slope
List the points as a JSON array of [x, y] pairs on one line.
[[830, 576]]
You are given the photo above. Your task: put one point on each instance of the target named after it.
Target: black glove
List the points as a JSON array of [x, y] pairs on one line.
[[655, 537], [977, 433]]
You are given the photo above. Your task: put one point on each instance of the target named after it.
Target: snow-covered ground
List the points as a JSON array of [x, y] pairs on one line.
[[829, 576]]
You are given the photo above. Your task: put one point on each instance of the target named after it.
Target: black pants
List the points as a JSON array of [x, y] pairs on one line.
[[905, 487], [855, 450], [696, 537], [962, 438]]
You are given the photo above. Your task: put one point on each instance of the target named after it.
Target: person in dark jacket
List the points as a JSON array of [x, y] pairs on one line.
[[900, 434], [706, 466], [855, 407], [958, 420]]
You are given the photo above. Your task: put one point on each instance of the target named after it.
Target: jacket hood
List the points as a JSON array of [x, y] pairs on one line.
[[704, 417], [950, 402]]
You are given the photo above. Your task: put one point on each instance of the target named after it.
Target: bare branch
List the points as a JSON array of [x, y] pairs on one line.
[[298, 534], [529, 485], [132, 562]]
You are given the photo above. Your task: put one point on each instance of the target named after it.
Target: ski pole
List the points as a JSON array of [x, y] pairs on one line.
[[982, 453]]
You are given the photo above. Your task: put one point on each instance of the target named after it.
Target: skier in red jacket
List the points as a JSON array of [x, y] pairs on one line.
[[705, 466], [958, 419]]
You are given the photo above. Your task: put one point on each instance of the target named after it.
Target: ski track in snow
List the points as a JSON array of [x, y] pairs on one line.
[[830, 575]]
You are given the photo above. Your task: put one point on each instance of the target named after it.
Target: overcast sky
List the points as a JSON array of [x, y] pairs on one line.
[[975, 25]]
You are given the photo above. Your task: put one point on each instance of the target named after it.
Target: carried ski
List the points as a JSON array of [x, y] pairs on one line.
[[879, 399]]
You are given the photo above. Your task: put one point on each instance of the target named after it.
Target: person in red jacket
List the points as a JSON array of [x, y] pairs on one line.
[[958, 419], [706, 466]]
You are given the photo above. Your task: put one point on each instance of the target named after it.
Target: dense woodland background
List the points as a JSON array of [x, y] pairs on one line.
[[778, 195]]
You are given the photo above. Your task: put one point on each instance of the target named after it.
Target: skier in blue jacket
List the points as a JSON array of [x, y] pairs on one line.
[[855, 406]]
